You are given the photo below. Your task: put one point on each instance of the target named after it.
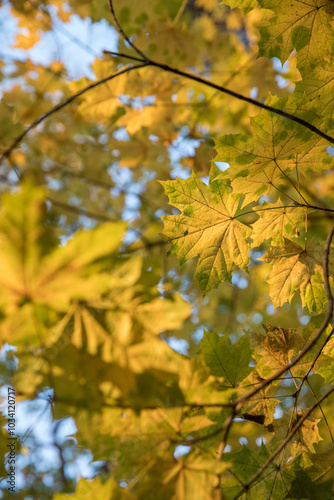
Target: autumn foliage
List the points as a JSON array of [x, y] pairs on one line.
[[166, 255]]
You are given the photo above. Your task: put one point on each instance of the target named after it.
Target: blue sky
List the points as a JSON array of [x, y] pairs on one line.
[[76, 43]]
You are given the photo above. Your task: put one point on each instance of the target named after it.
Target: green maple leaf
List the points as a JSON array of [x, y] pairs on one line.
[[277, 222], [313, 477], [267, 157], [244, 5], [225, 359], [96, 488], [304, 25], [195, 478], [244, 465], [315, 92], [304, 487], [207, 229], [327, 372], [297, 269], [261, 407], [276, 349]]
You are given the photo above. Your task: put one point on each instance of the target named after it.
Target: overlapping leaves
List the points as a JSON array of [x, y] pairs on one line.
[[91, 322]]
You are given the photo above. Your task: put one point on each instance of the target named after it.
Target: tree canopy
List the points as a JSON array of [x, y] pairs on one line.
[[166, 252]]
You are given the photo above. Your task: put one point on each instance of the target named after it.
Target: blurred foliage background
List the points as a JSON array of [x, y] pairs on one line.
[[100, 328]]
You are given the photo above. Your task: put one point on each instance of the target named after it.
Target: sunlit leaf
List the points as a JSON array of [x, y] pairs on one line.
[[207, 229], [225, 359], [297, 269]]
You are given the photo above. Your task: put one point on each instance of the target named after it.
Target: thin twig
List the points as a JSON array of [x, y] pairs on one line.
[[228, 424], [81, 211], [313, 363], [121, 54], [285, 442], [241, 401], [208, 83], [322, 412], [62, 105], [121, 32]]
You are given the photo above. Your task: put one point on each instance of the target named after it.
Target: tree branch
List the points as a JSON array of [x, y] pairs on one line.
[[62, 105], [81, 211], [122, 33], [228, 425], [208, 83], [284, 443], [241, 401]]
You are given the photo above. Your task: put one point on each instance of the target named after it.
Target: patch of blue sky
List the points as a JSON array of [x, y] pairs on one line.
[[330, 150], [76, 43], [239, 281], [181, 147], [283, 69], [179, 345], [257, 318], [198, 334], [270, 309], [222, 165], [181, 450], [253, 93], [303, 320], [180, 172], [121, 134], [263, 198]]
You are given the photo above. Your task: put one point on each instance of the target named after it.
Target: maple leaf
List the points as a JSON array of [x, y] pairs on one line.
[[225, 359], [195, 478], [207, 229], [313, 476], [245, 5], [277, 222], [315, 92], [34, 269], [101, 102], [267, 157], [276, 349], [304, 25], [262, 406], [304, 439], [244, 465], [295, 268]]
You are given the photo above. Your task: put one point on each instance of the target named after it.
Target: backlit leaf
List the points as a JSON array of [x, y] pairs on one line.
[[225, 359], [207, 229], [296, 269]]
